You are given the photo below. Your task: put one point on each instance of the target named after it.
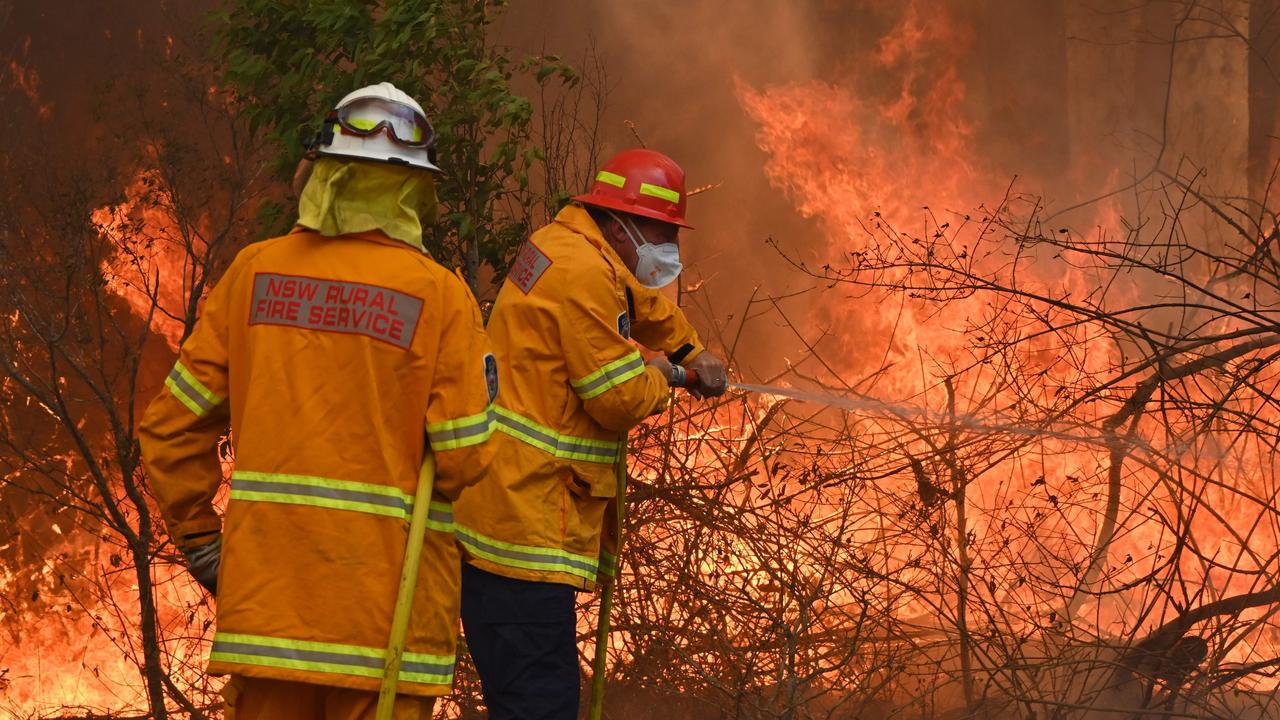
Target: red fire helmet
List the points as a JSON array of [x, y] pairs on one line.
[[641, 182]]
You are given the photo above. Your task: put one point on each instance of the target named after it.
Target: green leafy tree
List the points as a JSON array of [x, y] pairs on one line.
[[291, 60]]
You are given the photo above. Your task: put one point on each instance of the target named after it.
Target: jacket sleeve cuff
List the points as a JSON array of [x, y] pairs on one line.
[[660, 402], [687, 356], [194, 533]]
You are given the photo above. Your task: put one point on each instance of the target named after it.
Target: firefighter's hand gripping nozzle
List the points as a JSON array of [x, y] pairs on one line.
[[688, 378], [704, 377]]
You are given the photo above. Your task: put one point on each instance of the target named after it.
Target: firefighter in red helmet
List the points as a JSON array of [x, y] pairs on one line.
[[583, 290]]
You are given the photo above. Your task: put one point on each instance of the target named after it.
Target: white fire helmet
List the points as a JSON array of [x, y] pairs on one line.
[[379, 122]]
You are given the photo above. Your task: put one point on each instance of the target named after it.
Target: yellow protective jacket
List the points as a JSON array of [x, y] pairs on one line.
[[336, 361], [572, 385]]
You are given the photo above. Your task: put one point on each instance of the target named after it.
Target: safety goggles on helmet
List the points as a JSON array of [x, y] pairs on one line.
[[369, 116]]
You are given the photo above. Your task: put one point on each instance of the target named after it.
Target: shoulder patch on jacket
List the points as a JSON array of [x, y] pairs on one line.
[[491, 375], [624, 324], [335, 306], [529, 266]]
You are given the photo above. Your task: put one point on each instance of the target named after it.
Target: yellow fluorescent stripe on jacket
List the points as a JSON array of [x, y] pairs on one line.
[[528, 557], [565, 447], [334, 658], [572, 384], [463, 432], [335, 494], [609, 376], [608, 563], [189, 391]]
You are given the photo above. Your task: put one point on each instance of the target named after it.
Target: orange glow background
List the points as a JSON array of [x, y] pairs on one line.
[[831, 130]]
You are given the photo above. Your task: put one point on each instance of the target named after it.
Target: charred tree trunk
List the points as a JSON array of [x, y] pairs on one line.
[[152, 668], [1264, 96], [140, 543], [958, 482], [473, 266]]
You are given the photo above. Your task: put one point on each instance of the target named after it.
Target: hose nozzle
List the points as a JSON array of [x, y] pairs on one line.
[[684, 377]]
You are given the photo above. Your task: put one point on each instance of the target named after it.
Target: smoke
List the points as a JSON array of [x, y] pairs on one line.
[[905, 104], [814, 115], [674, 71]]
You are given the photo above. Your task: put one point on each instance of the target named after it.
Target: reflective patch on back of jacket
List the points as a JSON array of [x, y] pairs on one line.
[[624, 324], [529, 266], [335, 306]]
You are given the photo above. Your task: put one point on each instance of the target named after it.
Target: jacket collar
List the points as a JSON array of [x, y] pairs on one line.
[[575, 218], [376, 236]]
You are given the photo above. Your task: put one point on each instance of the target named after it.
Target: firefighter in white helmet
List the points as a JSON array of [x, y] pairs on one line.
[[339, 354]]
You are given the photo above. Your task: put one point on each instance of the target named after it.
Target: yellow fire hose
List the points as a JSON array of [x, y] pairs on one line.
[[408, 583], [606, 598]]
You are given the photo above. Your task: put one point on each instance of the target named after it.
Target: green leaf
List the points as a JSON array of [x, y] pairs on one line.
[[288, 62]]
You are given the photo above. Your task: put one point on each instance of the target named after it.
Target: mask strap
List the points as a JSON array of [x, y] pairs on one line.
[[627, 228]]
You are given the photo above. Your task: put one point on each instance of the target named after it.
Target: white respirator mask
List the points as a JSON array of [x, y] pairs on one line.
[[656, 265]]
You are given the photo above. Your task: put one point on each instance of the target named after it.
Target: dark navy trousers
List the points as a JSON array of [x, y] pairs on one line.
[[523, 638]]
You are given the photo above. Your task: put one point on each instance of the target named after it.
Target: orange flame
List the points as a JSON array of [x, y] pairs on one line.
[[150, 264]]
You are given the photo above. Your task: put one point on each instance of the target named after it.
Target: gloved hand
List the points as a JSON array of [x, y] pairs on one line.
[[713, 378], [665, 367], [203, 562]]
